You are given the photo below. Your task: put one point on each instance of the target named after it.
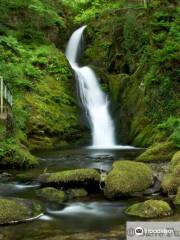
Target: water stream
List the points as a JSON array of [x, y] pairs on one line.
[[86, 216]]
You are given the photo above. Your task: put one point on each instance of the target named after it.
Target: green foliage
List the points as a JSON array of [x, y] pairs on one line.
[[92, 9], [14, 155], [172, 128], [28, 19], [144, 45], [161, 79], [38, 75]]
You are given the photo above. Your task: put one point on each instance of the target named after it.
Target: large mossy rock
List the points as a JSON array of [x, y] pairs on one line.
[[16, 155], [77, 178], [15, 210], [171, 180], [159, 152], [177, 198], [52, 194], [175, 159], [127, 177], [150, 209]]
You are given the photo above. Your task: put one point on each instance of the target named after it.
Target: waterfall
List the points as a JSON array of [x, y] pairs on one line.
[[93, 99]]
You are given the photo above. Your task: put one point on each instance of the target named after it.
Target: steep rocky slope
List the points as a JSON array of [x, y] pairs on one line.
[[33, 35], [137, 61]]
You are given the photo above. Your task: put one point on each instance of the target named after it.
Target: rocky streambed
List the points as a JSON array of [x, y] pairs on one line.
[[86, 194]]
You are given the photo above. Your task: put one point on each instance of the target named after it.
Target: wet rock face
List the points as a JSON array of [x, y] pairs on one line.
[[150, 209], [76, 193], [51, 194], [160, 152], [16, 210], [78, 178], [4, 176], [127, 177]]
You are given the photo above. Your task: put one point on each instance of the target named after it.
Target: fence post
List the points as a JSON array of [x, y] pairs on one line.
[[1, 94]]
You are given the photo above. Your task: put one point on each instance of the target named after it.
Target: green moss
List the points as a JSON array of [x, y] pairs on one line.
[[177, 198], [158, 153], [175, 159], [117, 82], [144, 45], [77, 193], [39, 77], [172, 128], [127, 177], [77, 175], [15, 155], [171, 180], [150, 209], [17, 210], [52, 194]]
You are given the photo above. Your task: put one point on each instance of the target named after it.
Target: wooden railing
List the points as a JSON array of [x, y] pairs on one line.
[[141, 2], [6, 100]]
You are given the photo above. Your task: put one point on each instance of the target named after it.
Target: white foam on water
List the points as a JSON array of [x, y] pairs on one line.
[[94, 100]]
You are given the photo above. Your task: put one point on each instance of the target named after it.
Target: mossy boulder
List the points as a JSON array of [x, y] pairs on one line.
[[16, 155], [77, 178], [77, 193], [176, 159], [159, 152], [52, 194], [171, 180], [15, 210], [127, 177], [150, 209], [177, 198]]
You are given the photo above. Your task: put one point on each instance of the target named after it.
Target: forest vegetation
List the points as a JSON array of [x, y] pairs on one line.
[[137, 63]]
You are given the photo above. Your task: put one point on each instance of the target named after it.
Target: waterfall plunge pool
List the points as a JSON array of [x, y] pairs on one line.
[[88, 217]]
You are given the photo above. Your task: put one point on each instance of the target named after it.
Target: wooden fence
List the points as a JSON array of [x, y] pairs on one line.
[[141, 2]]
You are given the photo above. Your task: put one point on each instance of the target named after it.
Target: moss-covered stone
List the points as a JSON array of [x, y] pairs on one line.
[[127, 177], [177, 198], [176, 159], [14, 210], [77, 193], [71, 178], [171, 180], [158, 153], [52, 194], [16, 155], [150, 209]]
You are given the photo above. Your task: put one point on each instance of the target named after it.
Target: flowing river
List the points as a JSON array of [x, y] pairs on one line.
[[93, 214], [89, 218]]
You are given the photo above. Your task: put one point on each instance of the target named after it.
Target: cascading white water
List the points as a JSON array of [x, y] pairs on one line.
[[92, 97]]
